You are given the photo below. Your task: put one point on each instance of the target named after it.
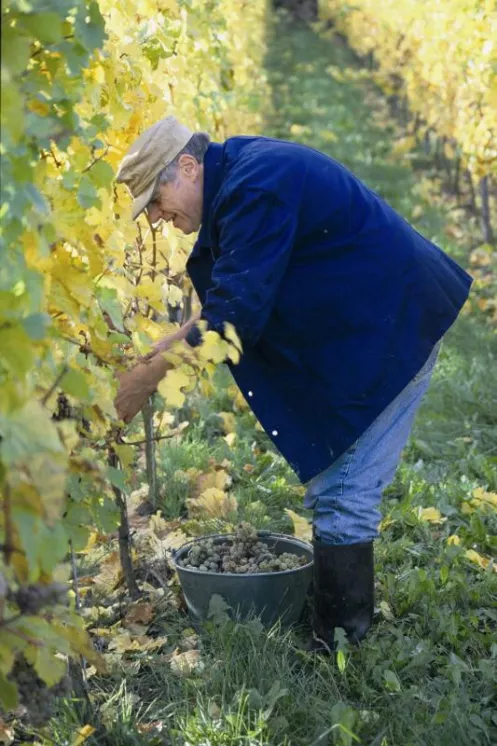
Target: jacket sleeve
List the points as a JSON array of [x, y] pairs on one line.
[[256, 236]]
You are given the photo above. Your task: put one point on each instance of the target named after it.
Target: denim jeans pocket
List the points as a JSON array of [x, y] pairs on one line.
[[330, 482]]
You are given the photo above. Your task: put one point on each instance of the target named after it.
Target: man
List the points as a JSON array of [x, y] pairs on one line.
[[340, 306]]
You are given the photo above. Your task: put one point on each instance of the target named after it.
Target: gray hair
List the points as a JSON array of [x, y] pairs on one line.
[[196, 146]]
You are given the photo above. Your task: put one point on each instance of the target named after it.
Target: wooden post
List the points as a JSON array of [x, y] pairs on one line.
[[151, 465], [486, 224], [124, 537]]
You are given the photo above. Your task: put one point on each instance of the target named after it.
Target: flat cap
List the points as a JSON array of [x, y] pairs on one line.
[[149, 154]]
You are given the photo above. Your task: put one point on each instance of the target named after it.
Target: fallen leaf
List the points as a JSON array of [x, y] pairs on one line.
[[157, 725], [6, 733], [82, 734], [480, 497], [111, 573], [228, 421], [218, 478], [136, 629], [124, 643], [479, 559], [212, 503], [453, 540], [172, 540], [187, 663], [480, 257], [141, 612], [430, 515]]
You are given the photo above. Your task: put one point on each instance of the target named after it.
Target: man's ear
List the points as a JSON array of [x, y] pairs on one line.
[[189, 166]]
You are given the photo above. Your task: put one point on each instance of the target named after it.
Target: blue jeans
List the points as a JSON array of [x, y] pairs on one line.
[[345, 498]]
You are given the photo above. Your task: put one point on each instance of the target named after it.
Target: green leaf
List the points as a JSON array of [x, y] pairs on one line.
[[53, 547], [341, 661], [12, 112], [28, 431], [218, 609], [89, 26], [109, 302], [47, 27], [9, 697], [16, 351], [75, 384], [391, 681], [37, 199], [117, 477], [36, 325], [49, 668], [87, 194], [101, 174], [15, 50]]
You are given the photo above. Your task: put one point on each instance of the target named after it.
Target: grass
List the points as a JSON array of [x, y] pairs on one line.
[[425, 674]]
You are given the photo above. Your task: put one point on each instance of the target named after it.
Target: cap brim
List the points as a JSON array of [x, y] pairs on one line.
[[140, 202]]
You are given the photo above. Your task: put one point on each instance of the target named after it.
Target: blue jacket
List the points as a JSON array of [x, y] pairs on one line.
[[337, 300]]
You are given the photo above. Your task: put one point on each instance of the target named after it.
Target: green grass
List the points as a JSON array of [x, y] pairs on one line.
[[425, 674]]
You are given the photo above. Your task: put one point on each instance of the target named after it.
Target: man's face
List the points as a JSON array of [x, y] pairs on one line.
[[180, 201]]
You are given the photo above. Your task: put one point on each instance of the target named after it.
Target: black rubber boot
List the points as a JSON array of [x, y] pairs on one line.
[[343, 591]]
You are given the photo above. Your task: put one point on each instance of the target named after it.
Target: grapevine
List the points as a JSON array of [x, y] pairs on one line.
[[85, 291]]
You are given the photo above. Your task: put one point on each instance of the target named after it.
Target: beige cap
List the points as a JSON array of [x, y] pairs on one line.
[[153, 151]]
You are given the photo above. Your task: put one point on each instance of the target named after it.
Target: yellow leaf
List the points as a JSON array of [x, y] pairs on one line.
[[82, 734], [187, 663], [302, 529], [479, 559], [213, 348], [480, 258], [230, 439], [123, 643], [430, 515], [110, 574], [480, 497], [161, 546], [231, 335], [453, 540], [125, 453], [218, 478], [170, 387], [228, 420], [404, 145], [212, 503]]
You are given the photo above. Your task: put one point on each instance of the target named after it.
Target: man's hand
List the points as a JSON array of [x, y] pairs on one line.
[[135, 386], [165, 344]]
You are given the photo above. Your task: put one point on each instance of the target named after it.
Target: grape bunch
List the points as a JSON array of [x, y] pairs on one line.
[[32, 598], [245, 553], [39, 699]]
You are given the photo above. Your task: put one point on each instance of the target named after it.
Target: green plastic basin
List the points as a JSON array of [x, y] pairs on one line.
[[268, 595]]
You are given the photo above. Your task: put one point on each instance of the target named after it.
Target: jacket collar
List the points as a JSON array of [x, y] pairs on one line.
[[213, 177]]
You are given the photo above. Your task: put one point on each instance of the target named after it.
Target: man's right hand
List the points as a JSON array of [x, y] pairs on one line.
[[136, 385]]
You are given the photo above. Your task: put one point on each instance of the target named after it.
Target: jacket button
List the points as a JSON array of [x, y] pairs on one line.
[[274, 432], [250, 393]]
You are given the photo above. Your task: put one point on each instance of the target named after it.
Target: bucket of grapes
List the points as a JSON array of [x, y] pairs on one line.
[[256, 573]]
